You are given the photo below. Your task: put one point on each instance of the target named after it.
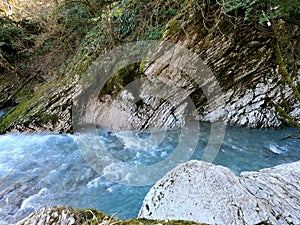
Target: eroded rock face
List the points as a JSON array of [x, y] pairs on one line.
[[51, 215], [49, 110], [249, 83], [241, 59], [203, 192], [279, 189]]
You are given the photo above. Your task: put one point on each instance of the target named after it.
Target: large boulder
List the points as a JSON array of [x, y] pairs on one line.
[[203, 192], [207, 193], [279, 189]]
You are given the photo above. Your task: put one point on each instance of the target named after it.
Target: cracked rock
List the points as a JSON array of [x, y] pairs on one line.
[[204, 193]]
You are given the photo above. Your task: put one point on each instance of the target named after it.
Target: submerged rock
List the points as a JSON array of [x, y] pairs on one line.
[[203, 192]]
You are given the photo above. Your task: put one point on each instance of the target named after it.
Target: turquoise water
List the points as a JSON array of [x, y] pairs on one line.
[[40, 170]]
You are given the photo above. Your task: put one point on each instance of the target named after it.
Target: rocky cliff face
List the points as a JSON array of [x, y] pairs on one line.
[[203, 192], [243, 88], [246, 85]]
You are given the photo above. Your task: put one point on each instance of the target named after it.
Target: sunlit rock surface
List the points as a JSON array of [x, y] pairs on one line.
[[240, 58], [55, 215], [248, 84], [279, 189], [203, 192]]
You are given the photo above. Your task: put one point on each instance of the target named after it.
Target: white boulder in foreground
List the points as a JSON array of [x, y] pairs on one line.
[[206, 193], [279, 189]]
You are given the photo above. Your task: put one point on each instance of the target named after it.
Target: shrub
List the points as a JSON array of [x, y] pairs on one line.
[[263, 11]]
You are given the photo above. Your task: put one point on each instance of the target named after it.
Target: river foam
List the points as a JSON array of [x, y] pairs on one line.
[[38, 170]]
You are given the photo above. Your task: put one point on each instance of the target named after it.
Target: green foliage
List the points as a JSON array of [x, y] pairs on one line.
[[262, 11], [121, 78], [87, 4], [161, 15], [74, 17], [128, 21], [94, 217], [155, 33], [124, 19], [15, 39]]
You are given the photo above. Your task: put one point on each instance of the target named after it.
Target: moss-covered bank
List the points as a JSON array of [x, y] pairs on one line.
[[67, 215]]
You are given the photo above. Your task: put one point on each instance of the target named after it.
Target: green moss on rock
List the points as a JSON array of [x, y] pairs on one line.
[[121, 78], [69, 215]]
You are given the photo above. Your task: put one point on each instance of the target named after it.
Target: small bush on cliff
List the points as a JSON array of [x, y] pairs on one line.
[[264, 11]]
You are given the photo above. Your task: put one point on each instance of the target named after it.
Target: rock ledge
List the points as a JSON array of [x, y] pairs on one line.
[[204, 192]]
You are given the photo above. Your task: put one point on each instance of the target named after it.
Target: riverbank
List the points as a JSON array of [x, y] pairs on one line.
[[203, 193], [66, 215]]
